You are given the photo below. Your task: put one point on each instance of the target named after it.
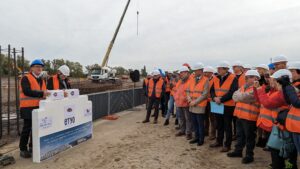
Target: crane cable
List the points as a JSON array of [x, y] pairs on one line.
[[137, 17]]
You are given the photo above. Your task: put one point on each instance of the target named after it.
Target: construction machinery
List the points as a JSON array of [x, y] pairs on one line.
[[105, 73]]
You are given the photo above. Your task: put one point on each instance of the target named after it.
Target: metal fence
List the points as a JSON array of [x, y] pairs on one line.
[[107, 103]]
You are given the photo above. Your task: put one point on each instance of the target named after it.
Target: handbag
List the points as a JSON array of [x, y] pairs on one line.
[[275, 141]]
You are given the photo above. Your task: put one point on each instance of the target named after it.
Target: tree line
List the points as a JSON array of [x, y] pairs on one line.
[[51, 66]]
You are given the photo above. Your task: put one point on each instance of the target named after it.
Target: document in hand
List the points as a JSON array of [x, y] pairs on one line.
[[216, 108]]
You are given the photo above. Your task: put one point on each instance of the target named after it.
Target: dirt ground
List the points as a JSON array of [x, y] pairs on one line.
[[128, 144]]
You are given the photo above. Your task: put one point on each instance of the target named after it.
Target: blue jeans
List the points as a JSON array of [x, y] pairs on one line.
[[198, 124], [170, 107]]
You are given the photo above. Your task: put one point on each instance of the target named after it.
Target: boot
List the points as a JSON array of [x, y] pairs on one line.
[[166, 122]]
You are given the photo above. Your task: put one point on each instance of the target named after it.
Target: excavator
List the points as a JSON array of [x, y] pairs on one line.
[[105, 73]]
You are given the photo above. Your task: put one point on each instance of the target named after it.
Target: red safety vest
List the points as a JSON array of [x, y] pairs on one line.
[[26, 101], [196, 90], [222, 90], [246, 111], [158, 88]]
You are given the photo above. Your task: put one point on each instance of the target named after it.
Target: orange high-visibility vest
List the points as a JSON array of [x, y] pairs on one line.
[[242, 80], [196, 90], [292, 122], [222, 90], [55, 82], [146, 81], [168, 89], [246, 111], [26, 101], [158, 88], [180, 95], [267, 117]]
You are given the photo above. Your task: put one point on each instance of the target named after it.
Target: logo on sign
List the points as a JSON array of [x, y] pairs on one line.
[[55, 94], [72, 93]]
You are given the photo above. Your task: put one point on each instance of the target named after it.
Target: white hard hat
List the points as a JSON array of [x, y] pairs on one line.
[[224, 64], [198, 66], [183, 69], [209, 69], [237, 63], [155, 73], [252, 73], [282, 72], [64, 69], [294, 65], [264, 66], [279, 58], [247, 66]]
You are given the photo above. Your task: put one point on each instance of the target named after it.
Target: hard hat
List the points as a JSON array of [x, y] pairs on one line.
[[37, 62], [252, 73], [224, 64], [183, 69], [209, 69], [282, 72], [155, 73], [279, 58], [264, 66], [238, 63], [247, 66], [294, 65], [271, 66], [64, 69], [198, 66]]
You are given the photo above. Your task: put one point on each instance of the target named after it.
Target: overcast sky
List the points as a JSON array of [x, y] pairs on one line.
[[171, 32]]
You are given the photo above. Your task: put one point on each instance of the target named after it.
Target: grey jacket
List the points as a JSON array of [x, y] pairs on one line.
[[197, 109], [245, 97]]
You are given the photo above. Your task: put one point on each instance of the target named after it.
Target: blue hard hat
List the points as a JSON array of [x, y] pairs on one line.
[[37, 62], [271, 66]]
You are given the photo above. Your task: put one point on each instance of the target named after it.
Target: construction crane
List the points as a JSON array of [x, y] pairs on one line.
[[105, 73]]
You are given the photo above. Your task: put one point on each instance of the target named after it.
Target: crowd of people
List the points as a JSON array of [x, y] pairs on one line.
[[33, 88], [254, 106]]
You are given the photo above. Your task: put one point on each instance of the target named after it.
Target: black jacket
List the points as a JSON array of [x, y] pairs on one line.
[[26, 112], [291, 96], [228, 96], [61, 85]]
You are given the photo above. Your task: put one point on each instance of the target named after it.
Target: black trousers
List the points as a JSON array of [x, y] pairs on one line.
[[167, 98], [246, 135], [234, 126], [153, 102], [279, 162], [26, 135], [162, 104], [224, 126]]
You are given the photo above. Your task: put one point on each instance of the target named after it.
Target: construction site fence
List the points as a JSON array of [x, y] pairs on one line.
[[111, 102]]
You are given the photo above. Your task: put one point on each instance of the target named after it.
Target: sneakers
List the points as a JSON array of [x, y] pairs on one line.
[[214, 145], [247, 160], [166, 122], [25, 154], [194, 141], [234, 154]]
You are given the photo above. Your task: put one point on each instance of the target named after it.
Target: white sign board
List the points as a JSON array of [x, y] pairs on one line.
[[59, 125]]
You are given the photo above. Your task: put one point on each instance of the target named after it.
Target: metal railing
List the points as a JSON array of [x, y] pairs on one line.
[[111, 102]]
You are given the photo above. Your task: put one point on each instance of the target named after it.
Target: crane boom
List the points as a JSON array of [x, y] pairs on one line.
[[111, 44]]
